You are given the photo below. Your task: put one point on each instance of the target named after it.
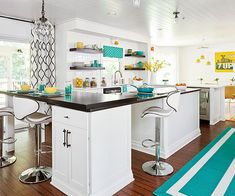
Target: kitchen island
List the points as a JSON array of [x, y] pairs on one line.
[[92, 137], [212, 102]]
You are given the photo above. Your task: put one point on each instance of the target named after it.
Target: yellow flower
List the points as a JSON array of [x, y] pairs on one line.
[[155, 66]]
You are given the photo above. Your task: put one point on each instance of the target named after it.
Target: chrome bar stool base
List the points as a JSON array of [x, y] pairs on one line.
[[35, 175], [157, 168], [7, 160]]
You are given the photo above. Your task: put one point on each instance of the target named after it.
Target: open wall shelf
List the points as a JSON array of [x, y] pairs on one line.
[[136, 56], [135, 69], [85, 50], [87, 68]]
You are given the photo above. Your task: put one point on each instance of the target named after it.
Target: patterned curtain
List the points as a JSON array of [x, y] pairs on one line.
[[43, 62]]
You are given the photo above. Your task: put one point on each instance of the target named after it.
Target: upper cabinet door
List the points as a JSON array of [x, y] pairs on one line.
[[79, 163]]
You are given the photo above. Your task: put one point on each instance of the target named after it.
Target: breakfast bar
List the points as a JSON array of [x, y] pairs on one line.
[[93, 134]]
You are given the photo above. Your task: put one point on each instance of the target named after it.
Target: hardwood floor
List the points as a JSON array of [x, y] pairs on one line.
[[144, 184]]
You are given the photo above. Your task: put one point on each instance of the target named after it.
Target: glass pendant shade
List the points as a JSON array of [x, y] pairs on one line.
[[43, 29]]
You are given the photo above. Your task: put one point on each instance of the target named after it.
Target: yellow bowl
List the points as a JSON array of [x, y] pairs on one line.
[[50, 90], [25, 87]]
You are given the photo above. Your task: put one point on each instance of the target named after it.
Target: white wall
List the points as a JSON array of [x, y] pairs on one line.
[[101, 40], [171, 56], [15, 30], [67, 34], [190, 71]]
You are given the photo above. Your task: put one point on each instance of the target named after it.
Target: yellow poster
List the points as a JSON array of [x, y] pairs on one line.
[[224, 61]]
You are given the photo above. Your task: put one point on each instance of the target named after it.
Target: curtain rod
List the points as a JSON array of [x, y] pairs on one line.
[[17, 19]]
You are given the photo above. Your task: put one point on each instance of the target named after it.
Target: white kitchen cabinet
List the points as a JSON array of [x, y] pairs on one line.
[[91, 151], [70, 155]]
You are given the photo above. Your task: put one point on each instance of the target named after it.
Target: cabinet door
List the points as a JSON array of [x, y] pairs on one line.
[[60, 162], [78, 173]]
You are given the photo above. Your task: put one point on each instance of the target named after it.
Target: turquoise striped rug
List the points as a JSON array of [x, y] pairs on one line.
[[211, 172]]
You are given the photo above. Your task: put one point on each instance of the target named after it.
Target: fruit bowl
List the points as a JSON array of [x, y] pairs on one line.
[[25, 87], [181, 87], [50, 90]]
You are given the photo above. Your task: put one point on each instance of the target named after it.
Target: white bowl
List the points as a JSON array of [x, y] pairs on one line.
[[138, 83], [181, 88]]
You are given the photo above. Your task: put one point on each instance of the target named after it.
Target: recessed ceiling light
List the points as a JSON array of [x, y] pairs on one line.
[[112, 13], [136, 3]]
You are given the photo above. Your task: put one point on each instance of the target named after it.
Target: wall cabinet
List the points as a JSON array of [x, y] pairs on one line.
[[70, 156]]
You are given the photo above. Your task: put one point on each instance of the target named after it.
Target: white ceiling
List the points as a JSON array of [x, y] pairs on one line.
[[213, 20]]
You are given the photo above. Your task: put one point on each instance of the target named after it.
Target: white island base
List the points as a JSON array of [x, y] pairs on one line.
[[94, 158], [92, 150], [176, 131]]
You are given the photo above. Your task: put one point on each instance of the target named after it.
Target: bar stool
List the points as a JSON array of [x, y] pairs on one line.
[[157, 167], [6, 160], [26, 110]]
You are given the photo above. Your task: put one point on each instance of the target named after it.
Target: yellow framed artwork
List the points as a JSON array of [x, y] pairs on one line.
[[224, 61]]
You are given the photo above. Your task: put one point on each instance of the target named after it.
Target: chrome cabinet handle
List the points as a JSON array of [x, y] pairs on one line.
[[67, 139], [64, 143]]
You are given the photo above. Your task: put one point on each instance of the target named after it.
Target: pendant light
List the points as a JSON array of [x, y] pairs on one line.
[[42, 30]]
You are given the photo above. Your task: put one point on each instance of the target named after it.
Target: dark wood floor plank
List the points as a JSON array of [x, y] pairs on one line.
[[143, 185]]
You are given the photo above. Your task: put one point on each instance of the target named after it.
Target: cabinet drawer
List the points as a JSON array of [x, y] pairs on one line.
[[70, 117]]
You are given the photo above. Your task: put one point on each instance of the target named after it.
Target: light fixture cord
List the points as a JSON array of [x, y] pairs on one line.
[[43, 10], [43, 19]]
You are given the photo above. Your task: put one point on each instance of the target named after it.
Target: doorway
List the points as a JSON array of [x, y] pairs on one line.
[[14, 69]]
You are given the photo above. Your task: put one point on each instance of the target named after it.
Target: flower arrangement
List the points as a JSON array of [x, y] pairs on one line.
[[155, 65]]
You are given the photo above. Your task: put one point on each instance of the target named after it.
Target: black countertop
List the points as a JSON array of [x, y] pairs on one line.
[[90, 102]]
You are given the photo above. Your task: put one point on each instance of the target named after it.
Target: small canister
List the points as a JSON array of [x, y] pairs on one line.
[[79, 45], [93, 83]]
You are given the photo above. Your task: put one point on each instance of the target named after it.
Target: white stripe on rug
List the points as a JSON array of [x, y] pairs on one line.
[[225, 181], [174, 190]]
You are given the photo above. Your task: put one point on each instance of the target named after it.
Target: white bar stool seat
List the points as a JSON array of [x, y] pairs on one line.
[[26, 110], [157, 167], [6, 160]]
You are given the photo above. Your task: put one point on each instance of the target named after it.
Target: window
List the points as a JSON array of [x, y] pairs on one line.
[[14, 65], [111, 65]]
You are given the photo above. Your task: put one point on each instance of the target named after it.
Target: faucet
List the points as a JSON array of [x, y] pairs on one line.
[[115, 76]]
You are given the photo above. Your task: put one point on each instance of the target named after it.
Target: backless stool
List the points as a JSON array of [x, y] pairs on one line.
[[157, 167], [5, 160], [26, 110]]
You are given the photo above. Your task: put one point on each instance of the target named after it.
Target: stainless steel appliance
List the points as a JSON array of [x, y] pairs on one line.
[[112, 90], [205, 104]]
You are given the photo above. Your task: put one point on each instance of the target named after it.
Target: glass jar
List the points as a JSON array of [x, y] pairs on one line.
[[103, 82], [93, 83], [86, 83]]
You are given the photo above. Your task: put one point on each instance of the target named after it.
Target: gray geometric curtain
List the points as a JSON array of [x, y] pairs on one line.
[[42, 60]]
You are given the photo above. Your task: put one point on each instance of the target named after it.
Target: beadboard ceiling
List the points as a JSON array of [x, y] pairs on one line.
[[212, 20]]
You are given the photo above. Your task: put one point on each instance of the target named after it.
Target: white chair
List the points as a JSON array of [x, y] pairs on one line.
[[157, 167], [5, 160], [26, 110]]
